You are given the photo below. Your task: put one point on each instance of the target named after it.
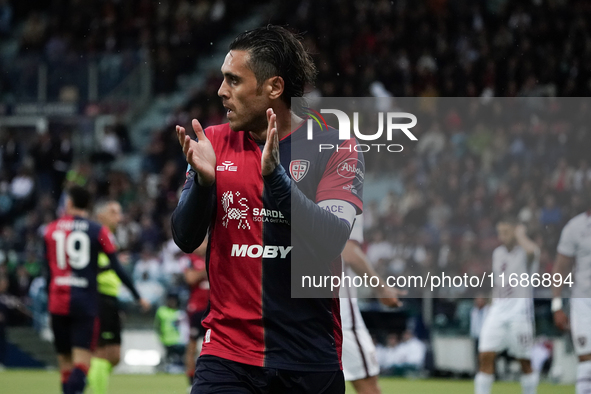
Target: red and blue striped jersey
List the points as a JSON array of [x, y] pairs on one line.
[[252, 317], [72, 246]]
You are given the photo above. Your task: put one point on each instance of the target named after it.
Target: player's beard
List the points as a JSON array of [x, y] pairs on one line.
[[254, 122]]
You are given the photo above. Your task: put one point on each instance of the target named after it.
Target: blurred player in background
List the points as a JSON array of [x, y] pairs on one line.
[[239, 190], [108, 349], [172, 326], [360, 363], [575, 245], [72, 245], [509, 323], [196, 278]]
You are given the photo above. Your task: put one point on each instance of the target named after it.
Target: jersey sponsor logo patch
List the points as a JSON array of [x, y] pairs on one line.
[[298, 169], [208, 336], [268, 216], [351, 168], [255, 251], [350, 188], [235, 211], [71, 281], [227, 166], [335, 208]]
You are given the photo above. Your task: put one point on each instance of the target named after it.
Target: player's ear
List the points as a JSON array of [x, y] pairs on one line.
[[275, 87]]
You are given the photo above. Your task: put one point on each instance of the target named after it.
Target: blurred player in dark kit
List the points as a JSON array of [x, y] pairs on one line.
[[72, 245]]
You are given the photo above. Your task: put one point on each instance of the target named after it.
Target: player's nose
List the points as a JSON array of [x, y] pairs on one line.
[[223, 90]]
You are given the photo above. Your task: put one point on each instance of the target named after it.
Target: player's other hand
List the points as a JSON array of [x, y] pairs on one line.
[[144, 305], [391, 297], [561, 320], [199, 154], [270, 156]]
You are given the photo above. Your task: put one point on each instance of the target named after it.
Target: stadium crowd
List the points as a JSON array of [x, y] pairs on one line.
[[172, 34], [446, 193]]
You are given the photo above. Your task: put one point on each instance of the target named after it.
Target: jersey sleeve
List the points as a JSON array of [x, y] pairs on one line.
[[343, 176], [189, 177], [567, 245], [104, 239], [191, 218]]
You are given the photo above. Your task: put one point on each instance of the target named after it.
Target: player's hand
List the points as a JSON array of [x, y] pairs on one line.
[[561, 320], [144, 305], [390, 297], [270, 156], [199, 154]]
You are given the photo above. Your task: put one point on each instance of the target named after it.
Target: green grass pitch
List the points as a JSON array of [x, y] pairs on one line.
[[44, 382]]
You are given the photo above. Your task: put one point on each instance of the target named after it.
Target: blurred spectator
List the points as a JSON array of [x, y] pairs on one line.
[[110, 147], [562, 177], [128, 232], [431, 144], [439, 212], [3, 318], [147, 268], [150, 235], [22, 189], [173, 265], [398, 358], [379, 248], [551, 214], [389, 354], [582, 176], [150, 289], [5, 20], [38, 296], [11, 152], [33, 34]]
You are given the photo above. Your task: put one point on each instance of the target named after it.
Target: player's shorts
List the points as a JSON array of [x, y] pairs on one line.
[[502, 330], [580, 325], [71, 331], [197, 329], [110, 321], [217, 375], [359, 355]]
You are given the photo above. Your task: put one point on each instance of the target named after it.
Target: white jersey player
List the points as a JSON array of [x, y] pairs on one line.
[[575, 246], [360, 365], [510, 321]]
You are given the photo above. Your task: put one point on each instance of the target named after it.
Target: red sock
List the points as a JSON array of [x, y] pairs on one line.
[[65, 377]]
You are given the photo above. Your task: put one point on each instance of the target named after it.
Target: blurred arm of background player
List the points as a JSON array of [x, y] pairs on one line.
[[530, 247], [357, 260], [562, 266], [193, 276]]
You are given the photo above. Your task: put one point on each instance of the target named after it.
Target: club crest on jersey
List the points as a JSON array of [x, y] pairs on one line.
[[235, 211], [298, 169]]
